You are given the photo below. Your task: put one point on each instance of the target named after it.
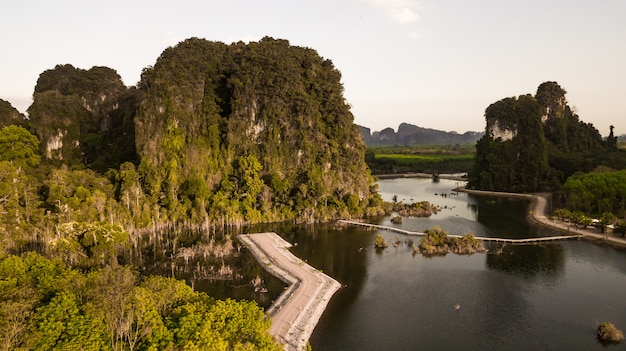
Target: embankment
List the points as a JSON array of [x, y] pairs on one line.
[[537, 215], [298, 309]]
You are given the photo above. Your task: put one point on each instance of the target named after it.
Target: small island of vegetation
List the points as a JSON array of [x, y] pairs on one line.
[[608, 332], [437, 242]]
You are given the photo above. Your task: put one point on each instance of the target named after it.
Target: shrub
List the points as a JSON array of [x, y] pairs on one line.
[[380, 242], [609, 333]]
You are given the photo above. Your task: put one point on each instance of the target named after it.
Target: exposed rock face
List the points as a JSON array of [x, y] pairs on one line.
[[549, 95], [225, 133], [70, 104], [534, 143], [505, 134], [81, 115], [222, 115]]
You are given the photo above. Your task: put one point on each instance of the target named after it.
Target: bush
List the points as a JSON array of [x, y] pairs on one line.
[[380, 242], [609, 333]]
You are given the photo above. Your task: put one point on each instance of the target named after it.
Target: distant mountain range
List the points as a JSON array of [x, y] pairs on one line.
[[409, 134], [619, 138]]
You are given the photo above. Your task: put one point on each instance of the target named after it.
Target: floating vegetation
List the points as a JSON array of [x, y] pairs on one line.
[[380, 242], [607, 332], [437, 242], [396, 220], [416, 209]]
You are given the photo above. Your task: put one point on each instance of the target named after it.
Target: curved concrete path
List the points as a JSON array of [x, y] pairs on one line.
[[298, 309]]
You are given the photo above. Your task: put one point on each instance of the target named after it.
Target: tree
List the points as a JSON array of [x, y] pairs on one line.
[[607, 218], [44, 305], [60, 325], [223, 325], [611, 140], [19, 147], [562, 214], [88, 244]]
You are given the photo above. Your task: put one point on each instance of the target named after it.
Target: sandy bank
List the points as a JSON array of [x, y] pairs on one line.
[[297, 310]]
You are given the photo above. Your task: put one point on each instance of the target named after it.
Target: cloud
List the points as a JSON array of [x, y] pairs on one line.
[[413, 35], [400, 11], [403, 15]]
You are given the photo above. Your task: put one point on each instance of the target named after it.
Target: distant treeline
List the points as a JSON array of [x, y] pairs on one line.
[[433, 159]]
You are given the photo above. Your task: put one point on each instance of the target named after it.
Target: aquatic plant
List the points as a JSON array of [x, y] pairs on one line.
[[380, 242], [608, 332]]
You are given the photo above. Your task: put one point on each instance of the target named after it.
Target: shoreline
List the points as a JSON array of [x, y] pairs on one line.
[[297, 310], [537, 215], [418, 175]]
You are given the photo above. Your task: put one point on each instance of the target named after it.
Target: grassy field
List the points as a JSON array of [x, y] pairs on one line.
[[420, 159]]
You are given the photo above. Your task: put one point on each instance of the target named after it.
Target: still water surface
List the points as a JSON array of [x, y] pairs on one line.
[[539, 297]]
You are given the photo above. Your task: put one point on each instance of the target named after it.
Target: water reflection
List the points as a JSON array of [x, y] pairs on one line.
[[340, 251], [535, 297], [209, 261], [528, 260]]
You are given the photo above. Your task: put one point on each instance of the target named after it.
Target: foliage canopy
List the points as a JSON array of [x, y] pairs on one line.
[[534, 143]]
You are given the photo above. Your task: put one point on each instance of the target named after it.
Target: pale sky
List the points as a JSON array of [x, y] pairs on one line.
[[433, 63]]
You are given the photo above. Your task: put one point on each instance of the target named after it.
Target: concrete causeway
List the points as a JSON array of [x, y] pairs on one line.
[[297, 310]]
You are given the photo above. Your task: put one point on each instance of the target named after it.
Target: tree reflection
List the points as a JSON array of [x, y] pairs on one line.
[[528, 260]]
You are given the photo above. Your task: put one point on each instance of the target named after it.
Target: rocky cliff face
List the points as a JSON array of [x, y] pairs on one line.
[[550, 96], [265, 123], [214, 133], [534, 143], [72, 108]]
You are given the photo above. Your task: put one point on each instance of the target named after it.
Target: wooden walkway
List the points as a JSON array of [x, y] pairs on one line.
[[483, 238]]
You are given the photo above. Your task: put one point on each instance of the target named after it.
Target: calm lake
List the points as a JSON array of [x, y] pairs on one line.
[[537, 297], [550, 296]]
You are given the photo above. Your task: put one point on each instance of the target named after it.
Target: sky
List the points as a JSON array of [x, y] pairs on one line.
[[432, 63]]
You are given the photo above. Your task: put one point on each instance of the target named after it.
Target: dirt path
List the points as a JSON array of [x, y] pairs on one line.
[[538, 216], [297, 310]]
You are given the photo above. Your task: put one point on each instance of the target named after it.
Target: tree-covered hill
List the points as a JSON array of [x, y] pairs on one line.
[[213, 133], [534, 143], [249, 132], [10, 115], [84, 117]]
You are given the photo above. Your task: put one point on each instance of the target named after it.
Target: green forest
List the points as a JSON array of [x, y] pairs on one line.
[[213, 136], [46, 305], [538, 143]]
